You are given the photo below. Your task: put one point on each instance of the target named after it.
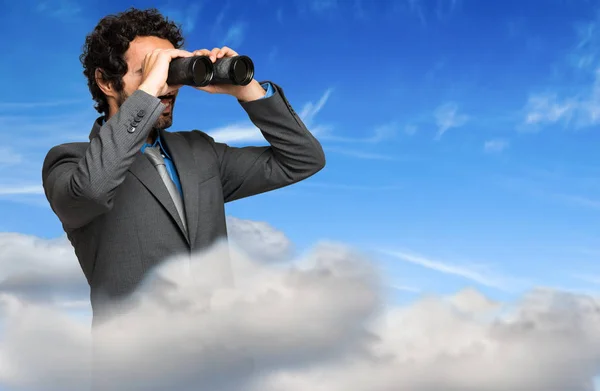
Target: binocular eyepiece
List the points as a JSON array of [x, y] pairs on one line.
[[200, 71]]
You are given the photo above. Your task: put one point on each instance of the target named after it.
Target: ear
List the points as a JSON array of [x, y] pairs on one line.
[[103, 84]]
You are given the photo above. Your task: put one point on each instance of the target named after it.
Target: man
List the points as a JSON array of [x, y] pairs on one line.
[[120, 215]]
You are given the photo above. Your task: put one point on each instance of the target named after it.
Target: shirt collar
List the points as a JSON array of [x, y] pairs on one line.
[[158, 142]]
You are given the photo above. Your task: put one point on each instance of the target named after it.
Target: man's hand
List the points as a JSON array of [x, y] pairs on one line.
[[155, 69], [249, 92]]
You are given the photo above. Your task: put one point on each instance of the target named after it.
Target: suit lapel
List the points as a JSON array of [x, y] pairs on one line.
[[188, 171], [143, 169]]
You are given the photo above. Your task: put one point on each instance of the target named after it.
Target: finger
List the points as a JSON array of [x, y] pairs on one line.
[[213, 54], [226, 52], [174, 53], [202, 52], [223, 51]]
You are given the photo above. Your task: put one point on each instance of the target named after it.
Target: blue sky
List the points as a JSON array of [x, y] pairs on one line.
[[461, 136]]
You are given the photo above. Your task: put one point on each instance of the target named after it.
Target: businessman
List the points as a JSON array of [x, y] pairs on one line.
[[137, 194]]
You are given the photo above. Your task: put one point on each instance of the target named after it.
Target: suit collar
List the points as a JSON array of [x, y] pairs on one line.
[[189, 175], [189, 171], [146, 173]]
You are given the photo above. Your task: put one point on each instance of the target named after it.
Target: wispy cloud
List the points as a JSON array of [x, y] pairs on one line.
[[416, 8], [448, 117], [247, 132], [593, 279], [574, 109], [441, 9], [231, 35], [343, 186], [272, 56], [60, 9], [447, 268], [446, 8], [360, 154], [310, 110], [586, 53], [495, 145], [411, 129], [578, 200], [578, 111], [242, 132], [9, 157], [320, 6], [548, 108], [380, 133], [21, 190], [235, 35], [405, 288], [186, 16], [5, 106], [568, 188]]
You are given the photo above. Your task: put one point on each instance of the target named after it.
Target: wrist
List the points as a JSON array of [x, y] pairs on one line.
[[149, 90], [252, 91]]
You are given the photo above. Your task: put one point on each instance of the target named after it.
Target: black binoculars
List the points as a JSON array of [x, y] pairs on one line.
[[200, 71]]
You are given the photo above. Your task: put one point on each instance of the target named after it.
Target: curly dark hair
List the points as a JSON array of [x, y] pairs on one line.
[[106, 45]]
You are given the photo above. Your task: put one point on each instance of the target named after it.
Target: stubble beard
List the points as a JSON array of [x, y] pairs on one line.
[[164, 121]]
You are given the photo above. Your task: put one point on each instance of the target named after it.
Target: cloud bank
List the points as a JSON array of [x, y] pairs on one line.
[[313, 322]]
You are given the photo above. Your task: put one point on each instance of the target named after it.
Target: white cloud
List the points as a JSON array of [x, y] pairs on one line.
[[259, 239], [549, 108], [380, 133], [48, 271], [36, 105], [40, 270], [247, 132], [447, 117], [495, 145], [186, 16], [310, 110], [443, 267], [243, 132], [573, 109], [235, 35], [316, 324], [21, 190], [240, 132]]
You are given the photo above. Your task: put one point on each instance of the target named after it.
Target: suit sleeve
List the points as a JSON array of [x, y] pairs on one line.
[[80, 186], [294, 153]]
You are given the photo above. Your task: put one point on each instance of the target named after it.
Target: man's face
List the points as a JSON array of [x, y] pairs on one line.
[[134, 57]]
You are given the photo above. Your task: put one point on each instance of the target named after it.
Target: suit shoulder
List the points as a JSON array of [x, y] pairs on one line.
[[62, 152], [67, 149], [194, 136]]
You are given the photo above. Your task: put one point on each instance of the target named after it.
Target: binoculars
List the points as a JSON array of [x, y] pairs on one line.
[[200, 71]]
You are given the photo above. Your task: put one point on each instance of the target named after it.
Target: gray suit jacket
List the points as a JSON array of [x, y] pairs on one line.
[[118, 214]]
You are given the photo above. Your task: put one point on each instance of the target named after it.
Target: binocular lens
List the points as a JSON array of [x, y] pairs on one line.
[[202, 71], [242, 70]]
